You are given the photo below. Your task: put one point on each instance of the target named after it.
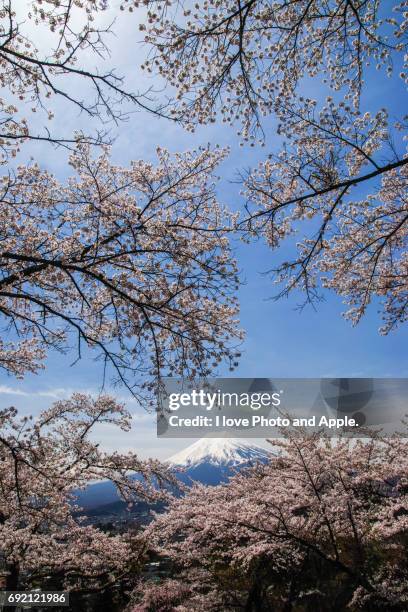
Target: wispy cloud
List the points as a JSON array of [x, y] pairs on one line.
[[65, 392], [11, 391], [56, 393], [144, 418]]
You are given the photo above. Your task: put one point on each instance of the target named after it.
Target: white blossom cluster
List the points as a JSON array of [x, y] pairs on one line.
[[319, 512], [43, 462], [239, 60], [134, 263], [247, 63]]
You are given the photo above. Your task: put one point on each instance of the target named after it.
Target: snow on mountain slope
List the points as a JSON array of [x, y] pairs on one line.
[[219, 451], [210, 461]]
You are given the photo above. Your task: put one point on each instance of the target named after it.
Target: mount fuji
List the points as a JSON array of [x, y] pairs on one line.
[[213, 460], [210, 461]]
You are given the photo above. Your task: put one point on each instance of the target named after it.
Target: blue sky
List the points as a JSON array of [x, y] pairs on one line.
[[280, 340]]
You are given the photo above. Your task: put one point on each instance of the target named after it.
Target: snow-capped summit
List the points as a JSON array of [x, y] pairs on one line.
[[219, 451], [210, 461]]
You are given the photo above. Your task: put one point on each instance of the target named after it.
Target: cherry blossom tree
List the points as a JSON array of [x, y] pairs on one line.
[[324, 524], [162, 596], [359, 247], [243, 62], [43, 461], [58, 50], [134, 262]]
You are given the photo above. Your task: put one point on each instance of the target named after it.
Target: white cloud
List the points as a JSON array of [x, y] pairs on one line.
[[11, 391], [56, 393]]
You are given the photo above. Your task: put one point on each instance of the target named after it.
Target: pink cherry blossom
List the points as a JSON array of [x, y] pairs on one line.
[[323, 514], [43, 461]]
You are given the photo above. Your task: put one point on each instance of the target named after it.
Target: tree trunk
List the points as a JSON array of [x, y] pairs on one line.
[[254, 601], [12, 578], [12, 582]]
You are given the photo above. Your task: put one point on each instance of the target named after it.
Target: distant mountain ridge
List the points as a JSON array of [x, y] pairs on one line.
[[210, 461]]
